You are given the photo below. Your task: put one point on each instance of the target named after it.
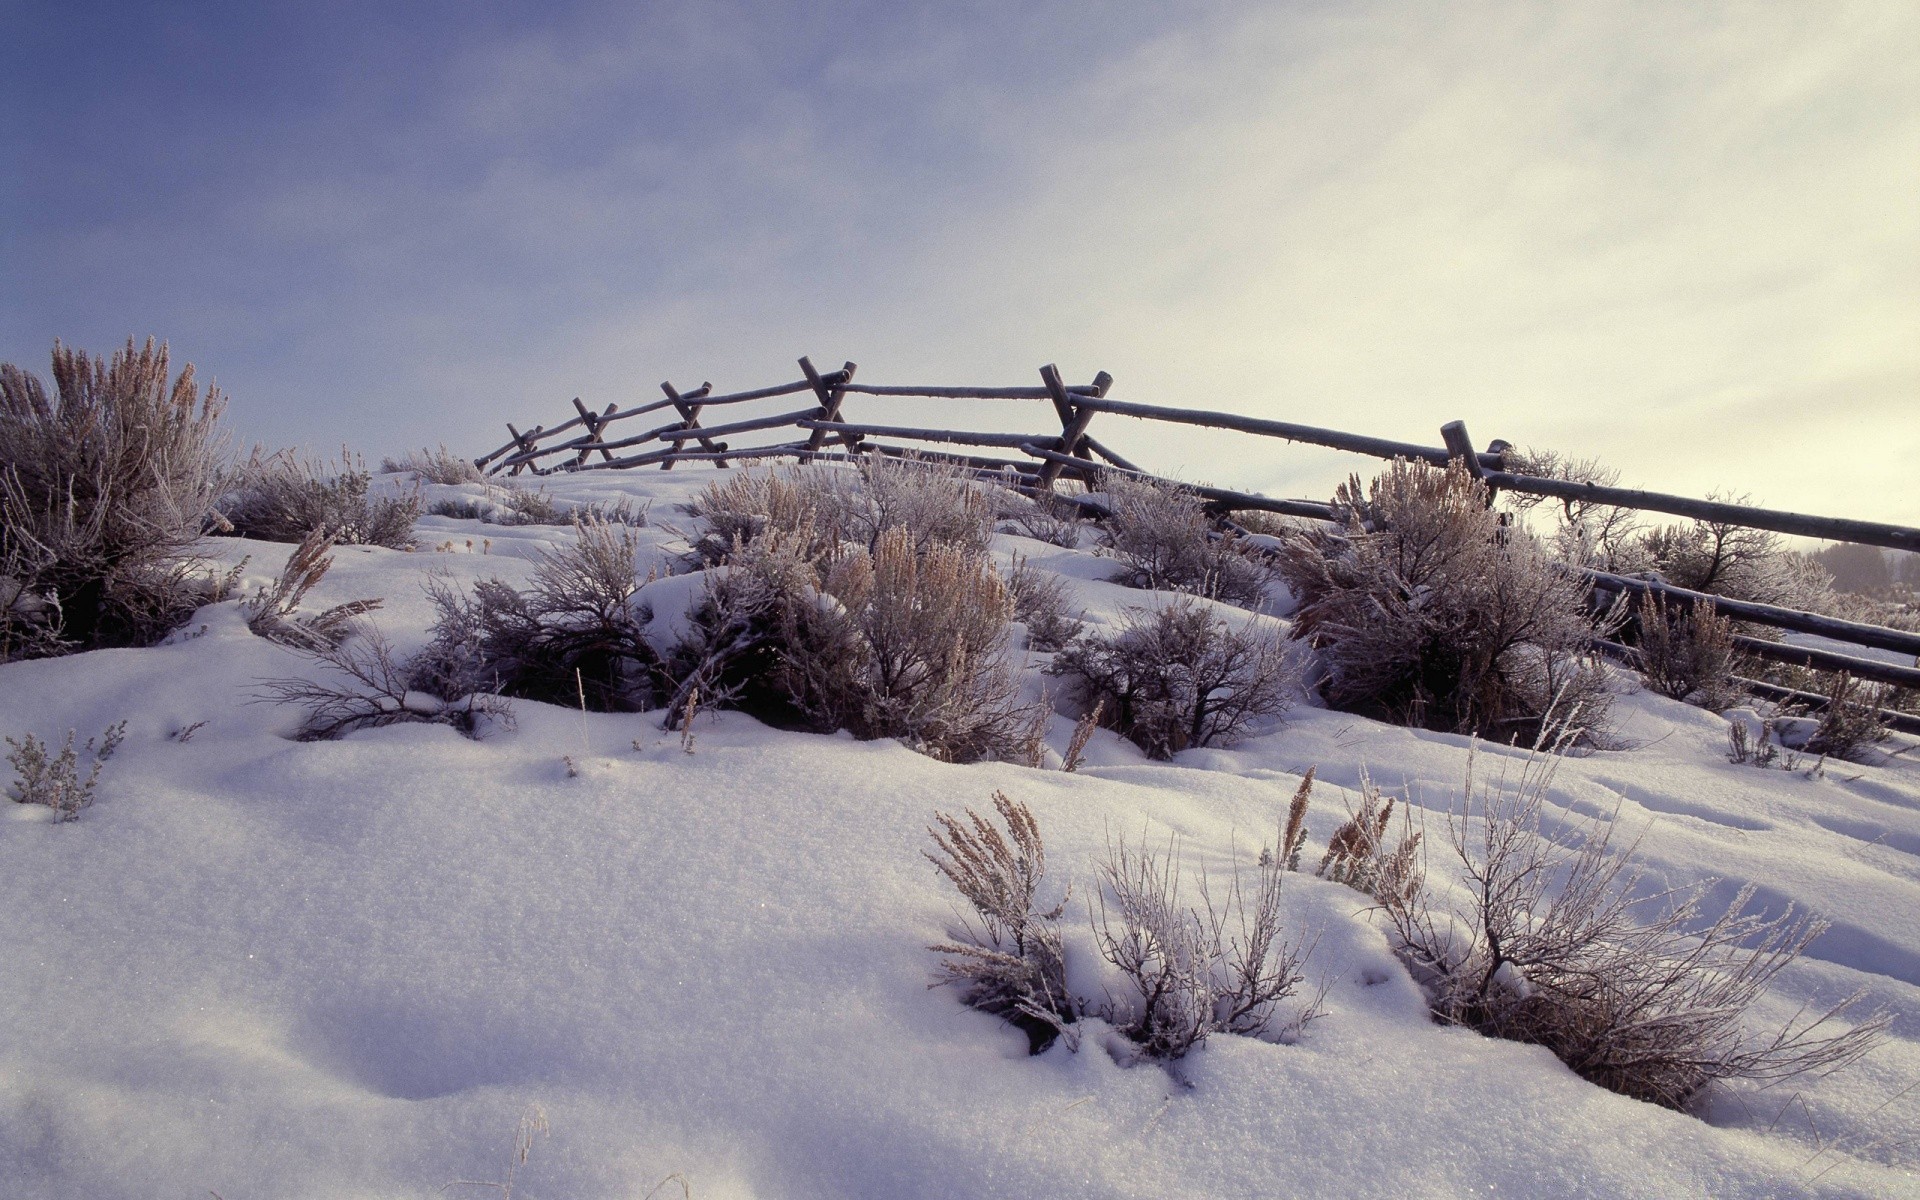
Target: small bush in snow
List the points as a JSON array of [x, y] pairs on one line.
[[899, 642], [1178, 677], [439, 465], [799, 506], [1162, 537], [1686, 652], [1040, 601], [1586, 534], [282, 498], [929, 631], [1191, 972], [1729, 560], [274, 612], [1011, 963], [933, 502], [1643, 996], [42, 777], [105, 485], [817, 508], [1045, 517], [369, 688], [1851, 721], [1359, 856], [1427, 611], [575, 636]]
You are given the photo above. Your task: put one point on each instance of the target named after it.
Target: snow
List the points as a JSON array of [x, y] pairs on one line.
[[258, 967]]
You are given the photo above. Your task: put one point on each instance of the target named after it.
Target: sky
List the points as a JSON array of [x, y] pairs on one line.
[[1680, 238]]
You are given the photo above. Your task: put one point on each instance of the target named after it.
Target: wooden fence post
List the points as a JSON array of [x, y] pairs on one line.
[[527, 443], [1073, 420], [690, 413], [831, 395], [594, 424]]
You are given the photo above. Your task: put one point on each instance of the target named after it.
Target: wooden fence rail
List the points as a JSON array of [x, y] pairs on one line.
[[1073, 452]]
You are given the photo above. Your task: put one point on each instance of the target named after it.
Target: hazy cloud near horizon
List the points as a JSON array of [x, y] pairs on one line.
[[1684, 238]]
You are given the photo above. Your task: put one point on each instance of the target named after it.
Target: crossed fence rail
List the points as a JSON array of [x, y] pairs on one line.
[[821, 430]]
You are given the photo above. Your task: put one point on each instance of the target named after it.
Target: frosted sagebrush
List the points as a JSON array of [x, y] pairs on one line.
[[53, 780], [438, 465], [1007, 959], [283, 498], [1178, 677], [1427, 611], [1040, 602], [105, 485], [577, 631], [1686, 651], [1645, 995], [1162, 537], [273, 612], [1192, 971]]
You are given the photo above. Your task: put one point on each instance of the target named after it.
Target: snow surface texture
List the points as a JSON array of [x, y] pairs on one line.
[[263, 968]]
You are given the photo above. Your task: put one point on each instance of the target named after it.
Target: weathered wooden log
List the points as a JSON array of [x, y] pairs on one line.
[[1356, 443], [699, 393], [1860, 634], [1074, 419], [1813, 701], [954, 436], [832, 394], [690, 413], [940, 392], [1110, 456], [1837, 529], [1221, 499], [1827, 660], [1460, 448], [594, 422], [769, 422]]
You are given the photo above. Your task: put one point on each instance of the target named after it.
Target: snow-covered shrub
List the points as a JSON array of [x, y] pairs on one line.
[[507, 504], [574, 637], [1851, 720], [932, 501], [1178, 677], [1163, 539], [900, 642], [1040, 602], [439, 465], [801, 506], [1192, 971], [1642, 994], [1012, 963], [104, 487], [1426, 610], [368, 688], [42, 777], [283, 498], [1045, 517], [1359, 856], [274, 612], [1686, 651], [817, 507], [930, 628], [1732, 561]]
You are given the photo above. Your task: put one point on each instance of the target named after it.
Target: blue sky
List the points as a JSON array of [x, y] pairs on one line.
[[1684, 238]]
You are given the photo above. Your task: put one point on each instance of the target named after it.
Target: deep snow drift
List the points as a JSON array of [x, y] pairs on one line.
[[264, 968]]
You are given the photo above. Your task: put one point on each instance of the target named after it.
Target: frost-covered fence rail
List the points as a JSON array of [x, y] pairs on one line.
[[822, 430]]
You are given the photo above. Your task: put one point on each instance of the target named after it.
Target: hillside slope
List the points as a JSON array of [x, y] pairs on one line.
[[266, 968]]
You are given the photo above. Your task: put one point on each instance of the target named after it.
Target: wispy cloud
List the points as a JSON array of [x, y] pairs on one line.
[[1681, 237]]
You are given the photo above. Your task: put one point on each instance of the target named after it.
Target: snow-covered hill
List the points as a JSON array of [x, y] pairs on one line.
[[257, 967]]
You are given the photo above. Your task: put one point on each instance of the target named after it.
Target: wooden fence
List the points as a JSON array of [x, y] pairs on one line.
[[820, 429]]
